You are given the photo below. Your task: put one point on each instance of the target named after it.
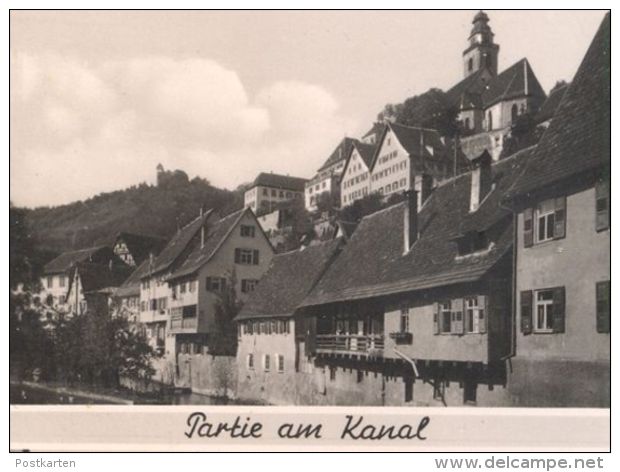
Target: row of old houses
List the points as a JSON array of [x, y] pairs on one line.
[[491, 287], [487, 284]]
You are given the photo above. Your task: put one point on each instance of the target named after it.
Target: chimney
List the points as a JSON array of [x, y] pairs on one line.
[[202, 228], [480, 180], [423, 185], [410, 223]]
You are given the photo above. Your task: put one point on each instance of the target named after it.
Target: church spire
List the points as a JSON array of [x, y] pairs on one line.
[[482, 51]]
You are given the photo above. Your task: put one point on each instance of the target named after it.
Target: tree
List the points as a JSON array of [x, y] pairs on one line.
[[559, 84], [430, 109], [328, 201], [224, 341], [524, 133], [30, 346], [96, 349], [362, 207]]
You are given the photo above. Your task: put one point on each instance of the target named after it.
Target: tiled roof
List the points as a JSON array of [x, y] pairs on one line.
[[66, 260], [473, 91], [131, 286], [548, 108], [284, 182], [178, 244], [140, 246], [288, 280], [517, 81], [372, 263], [94, 277], [215, 235], [339, 154], [578, 139], [470, 85], [366, 151]]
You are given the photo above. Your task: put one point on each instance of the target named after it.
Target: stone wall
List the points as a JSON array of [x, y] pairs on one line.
[[207, 374]]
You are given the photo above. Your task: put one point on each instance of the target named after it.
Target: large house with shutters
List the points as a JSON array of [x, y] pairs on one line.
[[229, 256], [412, 158], [562, 248], [181, 287], [416, 309]]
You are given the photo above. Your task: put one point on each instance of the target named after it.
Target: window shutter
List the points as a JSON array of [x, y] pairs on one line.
[[483, 315], [255, 256], [559, 230], [436, 318], [603, 307], [528, 227], [526, 312], [559, 310], [457, 310], [602, 210], [237, 255]]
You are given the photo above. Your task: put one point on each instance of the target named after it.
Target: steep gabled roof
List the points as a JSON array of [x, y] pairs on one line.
[[366, 152], [66, 260], [339, 154], [372, 263], [288, 280], [518, 80], [178, 244], [216, 234], [577, 141], [95, 277], [549, 106], [284, 182], [140, 245]]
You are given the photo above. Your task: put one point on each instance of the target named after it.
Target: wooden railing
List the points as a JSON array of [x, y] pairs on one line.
[[351, 343]]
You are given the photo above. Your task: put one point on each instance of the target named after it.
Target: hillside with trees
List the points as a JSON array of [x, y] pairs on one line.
[[156, 210]]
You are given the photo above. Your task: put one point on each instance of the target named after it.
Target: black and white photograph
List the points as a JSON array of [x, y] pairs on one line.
[[294, 208]]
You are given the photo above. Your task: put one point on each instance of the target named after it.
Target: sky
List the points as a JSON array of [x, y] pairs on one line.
[[98, 99]]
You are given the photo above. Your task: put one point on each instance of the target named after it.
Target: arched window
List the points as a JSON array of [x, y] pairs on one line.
[[514, 113], [489, 121], [470, 64], [467, 123]]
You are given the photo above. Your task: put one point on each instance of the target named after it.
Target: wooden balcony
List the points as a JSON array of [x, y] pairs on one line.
[[350, 344], [183, 325]]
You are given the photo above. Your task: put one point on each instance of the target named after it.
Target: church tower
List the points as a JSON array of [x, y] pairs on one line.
[[482, 51]]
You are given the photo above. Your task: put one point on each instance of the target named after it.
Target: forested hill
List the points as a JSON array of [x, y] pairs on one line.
[[156, 210]]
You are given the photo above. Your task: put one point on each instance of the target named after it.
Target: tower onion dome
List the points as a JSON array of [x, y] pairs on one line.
[[481, 25]]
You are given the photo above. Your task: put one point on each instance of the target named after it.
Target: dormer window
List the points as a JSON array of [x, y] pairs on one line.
[[471, 243]]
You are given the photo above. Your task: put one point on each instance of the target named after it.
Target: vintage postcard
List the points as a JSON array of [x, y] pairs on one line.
[[344, 230]]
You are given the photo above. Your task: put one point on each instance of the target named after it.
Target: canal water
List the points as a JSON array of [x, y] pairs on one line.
[[21, 394]]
